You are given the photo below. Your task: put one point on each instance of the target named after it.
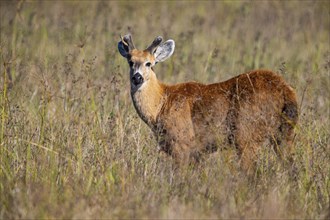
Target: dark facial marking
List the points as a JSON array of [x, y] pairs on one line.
[[137, 79]]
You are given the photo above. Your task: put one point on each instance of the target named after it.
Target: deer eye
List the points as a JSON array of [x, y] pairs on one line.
[[130, 63], [148, 64]]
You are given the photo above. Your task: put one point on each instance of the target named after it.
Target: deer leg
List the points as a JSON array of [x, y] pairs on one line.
[[248, 158], [181, 154]]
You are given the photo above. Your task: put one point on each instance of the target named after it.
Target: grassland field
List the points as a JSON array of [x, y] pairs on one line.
[[72, 145]]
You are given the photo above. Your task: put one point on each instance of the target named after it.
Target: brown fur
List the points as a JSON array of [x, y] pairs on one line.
[[245, 112]]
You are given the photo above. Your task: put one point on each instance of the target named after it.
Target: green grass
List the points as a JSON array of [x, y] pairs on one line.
[[72, 145]]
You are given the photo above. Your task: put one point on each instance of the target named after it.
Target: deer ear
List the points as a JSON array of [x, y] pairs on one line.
[[123, 49], [164, 51]]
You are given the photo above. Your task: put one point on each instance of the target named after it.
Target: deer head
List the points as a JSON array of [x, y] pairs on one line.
[[142, 61]]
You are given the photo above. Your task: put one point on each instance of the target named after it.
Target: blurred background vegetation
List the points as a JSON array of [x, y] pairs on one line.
[[72, 145]]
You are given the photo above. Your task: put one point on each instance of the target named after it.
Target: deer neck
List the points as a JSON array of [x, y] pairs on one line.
[[148, 100]]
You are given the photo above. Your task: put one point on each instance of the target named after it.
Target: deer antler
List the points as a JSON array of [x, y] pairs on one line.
[[127, 40], [154, 44]]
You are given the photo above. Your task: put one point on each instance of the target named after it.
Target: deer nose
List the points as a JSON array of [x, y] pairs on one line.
[[137, 79]]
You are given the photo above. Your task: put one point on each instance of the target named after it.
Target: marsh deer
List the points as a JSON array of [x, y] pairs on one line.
[[251, 110]]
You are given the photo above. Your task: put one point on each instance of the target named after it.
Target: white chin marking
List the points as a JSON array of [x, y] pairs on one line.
[[142, 86]]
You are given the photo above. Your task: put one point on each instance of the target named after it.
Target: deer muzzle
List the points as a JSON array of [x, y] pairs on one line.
[[137, 79]]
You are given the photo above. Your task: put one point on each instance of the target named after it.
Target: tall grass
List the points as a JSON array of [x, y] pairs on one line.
[[72, 145]]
